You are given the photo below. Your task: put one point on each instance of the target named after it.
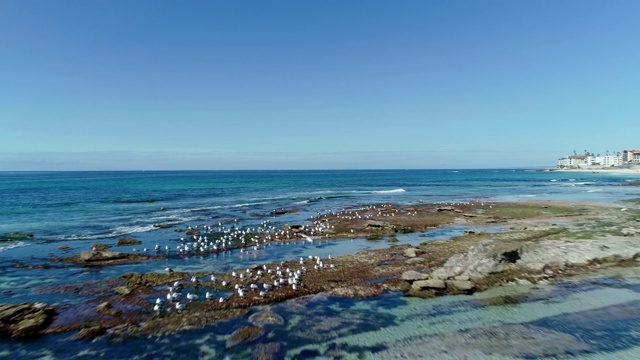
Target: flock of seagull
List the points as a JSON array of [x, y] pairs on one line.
[[260, 280]]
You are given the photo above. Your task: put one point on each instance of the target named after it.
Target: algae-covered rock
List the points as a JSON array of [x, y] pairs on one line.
[[128, 241], [100, 247], [15, 236], [90, 333], [108, 309], [24, 320]]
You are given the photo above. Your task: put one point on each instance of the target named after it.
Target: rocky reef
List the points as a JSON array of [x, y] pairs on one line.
[[533, 248]]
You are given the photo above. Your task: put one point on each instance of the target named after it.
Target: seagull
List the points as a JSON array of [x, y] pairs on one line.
[[208, 296], [180, 306], [192, 297], [156, 308]]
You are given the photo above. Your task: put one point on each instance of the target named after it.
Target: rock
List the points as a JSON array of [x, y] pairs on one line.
[[123, 290], [15, 236], [89, 256], [162, 226], [269, 351], [128, 241], [107, 308], [461, 285], [243, 335], [100, 247], [266, 317], [63, 247], [429, 284], [375, 224], [413, 275], [462, 278], [90, 333], [410, 252], [25, 320]]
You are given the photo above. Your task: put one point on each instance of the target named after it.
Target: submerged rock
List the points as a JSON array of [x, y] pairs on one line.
[[266, 317], [268, 351], [25, 320], [244, 334]]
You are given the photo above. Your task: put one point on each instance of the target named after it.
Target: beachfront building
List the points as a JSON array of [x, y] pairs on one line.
[[573, 162], [631, 156], [609, 160]]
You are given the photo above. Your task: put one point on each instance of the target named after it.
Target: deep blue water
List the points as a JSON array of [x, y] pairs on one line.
[[78, 209]]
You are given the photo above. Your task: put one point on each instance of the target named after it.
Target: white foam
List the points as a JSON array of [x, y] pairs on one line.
[[13, 245], [394, 191]]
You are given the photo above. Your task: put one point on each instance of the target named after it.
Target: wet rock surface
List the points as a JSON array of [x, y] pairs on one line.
[[24, 320]]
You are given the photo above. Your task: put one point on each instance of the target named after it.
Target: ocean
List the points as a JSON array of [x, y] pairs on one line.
[[78, 209]]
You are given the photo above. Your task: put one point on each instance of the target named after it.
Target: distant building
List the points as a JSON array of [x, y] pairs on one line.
[[573, 162], [609, 160], [631, 156]]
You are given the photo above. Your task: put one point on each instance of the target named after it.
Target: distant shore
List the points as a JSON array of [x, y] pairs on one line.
[[634, 170]]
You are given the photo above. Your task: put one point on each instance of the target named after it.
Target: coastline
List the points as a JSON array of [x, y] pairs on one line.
[[632, 171]]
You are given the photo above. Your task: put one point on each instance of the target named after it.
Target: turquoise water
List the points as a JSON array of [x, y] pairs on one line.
[[78, 209]]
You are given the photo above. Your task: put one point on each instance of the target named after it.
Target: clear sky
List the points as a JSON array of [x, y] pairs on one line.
[[331, 84]]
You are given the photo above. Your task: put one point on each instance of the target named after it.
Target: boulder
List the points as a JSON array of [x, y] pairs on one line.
[[461, 285], [410, 252], [429, 284], [90, 333], [413, 275]]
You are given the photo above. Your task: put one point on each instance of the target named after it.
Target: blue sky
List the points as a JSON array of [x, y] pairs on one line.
[[332, 84]]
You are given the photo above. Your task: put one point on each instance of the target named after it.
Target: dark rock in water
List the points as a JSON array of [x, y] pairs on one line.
[[268, 351], [244, 334], [90, 333], [24, 320], [64, 247], [266, 317], [15, 236], [107, 308], [100, 247], [123, 290], [128, 241], [283, 211], [163, 226]]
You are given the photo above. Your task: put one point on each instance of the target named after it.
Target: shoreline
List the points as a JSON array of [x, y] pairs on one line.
[[616, 171]]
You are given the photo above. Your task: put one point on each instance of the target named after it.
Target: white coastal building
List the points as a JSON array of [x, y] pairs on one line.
[[587, 161]]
